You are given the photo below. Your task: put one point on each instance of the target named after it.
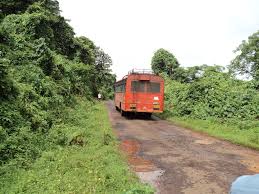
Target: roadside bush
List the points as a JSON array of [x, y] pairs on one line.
[[214, 95], [82, 156]]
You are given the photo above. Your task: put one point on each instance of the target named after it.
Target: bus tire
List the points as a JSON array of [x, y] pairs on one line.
[[123, 113], [148, 115], [116, 107]]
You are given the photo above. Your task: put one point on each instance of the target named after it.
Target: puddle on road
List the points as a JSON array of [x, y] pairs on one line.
[[131, 148], [151, 177], [145, 169], [141, 165]]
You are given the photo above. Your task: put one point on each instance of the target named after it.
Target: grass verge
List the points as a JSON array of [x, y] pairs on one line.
[[88, 162], [248, 137]]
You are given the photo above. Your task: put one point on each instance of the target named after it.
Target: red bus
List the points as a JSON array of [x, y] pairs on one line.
[[140, 91]]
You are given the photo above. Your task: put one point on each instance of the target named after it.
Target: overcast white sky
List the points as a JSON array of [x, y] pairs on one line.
[[196, 32]]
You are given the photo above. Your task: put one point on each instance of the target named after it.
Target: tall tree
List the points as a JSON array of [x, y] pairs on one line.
[[164, 61], [103, 77], [247, 60]]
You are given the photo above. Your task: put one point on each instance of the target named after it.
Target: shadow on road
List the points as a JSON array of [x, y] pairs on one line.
[[140, 116]]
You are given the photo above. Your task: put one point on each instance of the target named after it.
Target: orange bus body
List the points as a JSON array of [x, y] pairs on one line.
[[140, 92]]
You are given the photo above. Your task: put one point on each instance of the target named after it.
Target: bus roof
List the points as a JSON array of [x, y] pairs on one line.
[[139, 73]]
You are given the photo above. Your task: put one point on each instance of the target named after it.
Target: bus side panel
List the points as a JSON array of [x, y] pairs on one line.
[[119, 94], [128, 94], [119, 100]]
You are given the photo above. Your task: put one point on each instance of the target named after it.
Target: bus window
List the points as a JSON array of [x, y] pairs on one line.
[[138, 86], [145, 86], [120, 88], [117, 89], [153, 87]]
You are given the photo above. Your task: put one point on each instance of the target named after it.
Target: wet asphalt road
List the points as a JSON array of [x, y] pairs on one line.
[[177, 160]]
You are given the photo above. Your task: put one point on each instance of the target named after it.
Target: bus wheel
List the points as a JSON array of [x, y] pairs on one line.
[[117, 108], [148, 115], [123, 113]]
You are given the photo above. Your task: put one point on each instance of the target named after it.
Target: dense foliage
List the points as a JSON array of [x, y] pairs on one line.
[[43, 66], [87, 162], [213, 93]]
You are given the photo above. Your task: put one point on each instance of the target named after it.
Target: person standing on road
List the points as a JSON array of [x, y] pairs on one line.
[[99, 96]]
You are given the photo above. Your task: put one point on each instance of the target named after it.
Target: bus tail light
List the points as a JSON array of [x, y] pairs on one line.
[[133, 106], [156, 106]]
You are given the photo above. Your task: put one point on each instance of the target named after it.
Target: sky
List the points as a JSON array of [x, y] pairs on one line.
[[196, 32]]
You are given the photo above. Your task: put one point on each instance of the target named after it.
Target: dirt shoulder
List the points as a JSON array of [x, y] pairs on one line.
[[177, 160]]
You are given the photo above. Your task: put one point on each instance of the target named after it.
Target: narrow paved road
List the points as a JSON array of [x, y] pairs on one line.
[[177, 160]]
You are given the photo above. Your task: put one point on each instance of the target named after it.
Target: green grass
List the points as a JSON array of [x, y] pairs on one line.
[[88, 162], [247, 136]]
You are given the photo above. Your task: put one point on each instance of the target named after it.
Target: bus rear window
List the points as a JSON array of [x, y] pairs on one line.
[[145, 86], [153, 87], [138, 86]]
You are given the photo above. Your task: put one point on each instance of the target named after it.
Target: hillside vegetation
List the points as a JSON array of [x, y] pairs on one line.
[[50, 139], [211, 99]]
